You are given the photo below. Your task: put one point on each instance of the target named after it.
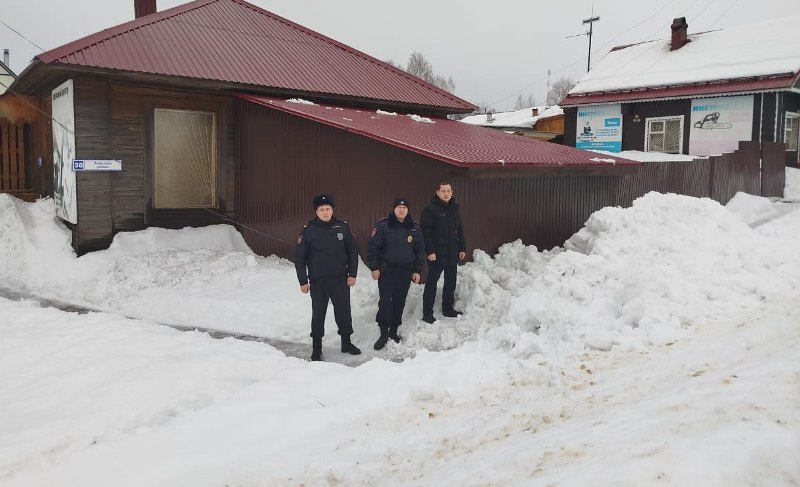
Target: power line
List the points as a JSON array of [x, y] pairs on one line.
[[14, 31], [579, 60], [723, 14]]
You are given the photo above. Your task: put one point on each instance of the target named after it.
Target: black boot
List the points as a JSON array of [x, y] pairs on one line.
[[381, 342], [348, 347], [316, 352], [393, 334], [428, 318], [451, 313]]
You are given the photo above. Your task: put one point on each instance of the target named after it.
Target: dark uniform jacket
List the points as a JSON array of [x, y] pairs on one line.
[[396, 243], [327, 249], [443, 230]]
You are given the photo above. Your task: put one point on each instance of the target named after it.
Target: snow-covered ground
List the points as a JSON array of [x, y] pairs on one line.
[[659, 347]]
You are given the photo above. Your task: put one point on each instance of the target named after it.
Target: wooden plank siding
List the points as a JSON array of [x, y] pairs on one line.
[[114, 121], [13, 155]]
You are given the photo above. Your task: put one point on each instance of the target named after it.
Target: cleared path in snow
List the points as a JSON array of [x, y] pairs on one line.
[[290, 349]]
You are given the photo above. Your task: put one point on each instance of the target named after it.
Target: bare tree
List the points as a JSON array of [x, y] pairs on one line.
[[527, 102], [559, 90], [420, 67]]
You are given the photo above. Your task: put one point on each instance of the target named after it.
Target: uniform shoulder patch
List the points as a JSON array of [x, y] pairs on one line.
[[373, 232], [299, 239]]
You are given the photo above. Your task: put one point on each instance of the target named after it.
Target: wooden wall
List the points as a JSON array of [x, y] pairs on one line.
[[114, 121]]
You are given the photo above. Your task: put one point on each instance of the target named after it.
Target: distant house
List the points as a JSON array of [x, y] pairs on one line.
[[219, 111], [697, 94], [6, 75], [544, 123]]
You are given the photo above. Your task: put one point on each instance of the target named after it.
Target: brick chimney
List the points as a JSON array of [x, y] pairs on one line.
[[535, 112], [144, 7], [679, 28]]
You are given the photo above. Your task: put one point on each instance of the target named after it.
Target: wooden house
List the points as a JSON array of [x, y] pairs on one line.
[[218, 111], [697, 94]]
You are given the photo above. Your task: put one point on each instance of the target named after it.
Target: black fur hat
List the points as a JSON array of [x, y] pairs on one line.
[[322, 199]]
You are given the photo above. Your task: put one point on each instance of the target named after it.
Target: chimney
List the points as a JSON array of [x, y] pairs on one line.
[[5, 57], [679, 28], [535, 112], [144, 7], [489, 117]]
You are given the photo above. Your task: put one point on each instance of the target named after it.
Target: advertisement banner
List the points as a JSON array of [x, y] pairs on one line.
[[600, 128], [718, 124], [64, 185]]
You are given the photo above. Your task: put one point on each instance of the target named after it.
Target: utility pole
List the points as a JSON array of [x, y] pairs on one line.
[[590, 21]]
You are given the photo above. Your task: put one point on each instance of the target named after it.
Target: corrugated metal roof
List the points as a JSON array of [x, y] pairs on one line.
[[727, 87], [235, 41], [736, 60], [449, 141]]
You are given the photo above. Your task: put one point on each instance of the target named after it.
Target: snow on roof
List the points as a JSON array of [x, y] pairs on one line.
[[458, 144], [639, 156], [755, 50], [522, 118]]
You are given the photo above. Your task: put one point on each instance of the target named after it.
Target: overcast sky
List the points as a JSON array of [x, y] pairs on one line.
[[493, 50]]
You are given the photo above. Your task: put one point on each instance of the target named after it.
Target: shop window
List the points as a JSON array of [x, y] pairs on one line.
[[664, 134], [185, 159]]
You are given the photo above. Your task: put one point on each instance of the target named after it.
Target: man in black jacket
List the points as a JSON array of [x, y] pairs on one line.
[[445, 246], [395, 255], [326, 261]]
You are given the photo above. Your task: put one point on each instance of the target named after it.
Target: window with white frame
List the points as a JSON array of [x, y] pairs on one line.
[[792, 134], [664, 134], [185, 159]]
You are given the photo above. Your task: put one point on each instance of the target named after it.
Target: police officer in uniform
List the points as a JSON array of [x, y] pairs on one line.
[[444, 243], [395, 255], [326, 261]]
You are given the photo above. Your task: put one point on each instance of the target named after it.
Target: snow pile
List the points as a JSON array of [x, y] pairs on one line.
[[640, 156], [383, 112], [631, 278], [417, 118], [300, 101], [34, 247], [791, 190]]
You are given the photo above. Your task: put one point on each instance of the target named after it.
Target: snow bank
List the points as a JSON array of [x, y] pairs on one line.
[[632, 278], [791, 190]]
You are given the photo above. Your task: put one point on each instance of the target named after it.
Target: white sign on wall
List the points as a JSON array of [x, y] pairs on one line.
[[599, 128], [718, 124], [96, 165], [64, 185]]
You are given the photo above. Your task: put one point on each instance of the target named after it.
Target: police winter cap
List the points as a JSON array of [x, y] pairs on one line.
[[400, 201], [322, 199]]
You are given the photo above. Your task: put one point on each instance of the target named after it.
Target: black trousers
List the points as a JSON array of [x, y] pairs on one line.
[[393, 288], [435, 270], [338, 292]]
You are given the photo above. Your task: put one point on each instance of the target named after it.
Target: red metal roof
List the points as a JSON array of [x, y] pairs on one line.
[[724, 87], [235, 41], [456, 143]]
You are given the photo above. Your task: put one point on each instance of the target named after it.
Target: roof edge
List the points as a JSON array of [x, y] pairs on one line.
[[576, 98], [433, 155]]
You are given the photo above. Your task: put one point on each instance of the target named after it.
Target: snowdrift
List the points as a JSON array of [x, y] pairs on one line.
[[631, 278]]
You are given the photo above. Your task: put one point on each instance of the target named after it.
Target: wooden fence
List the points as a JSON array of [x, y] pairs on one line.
[[12, 157], [749, 169]]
